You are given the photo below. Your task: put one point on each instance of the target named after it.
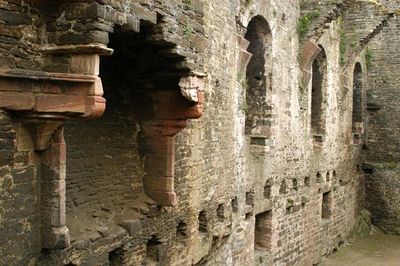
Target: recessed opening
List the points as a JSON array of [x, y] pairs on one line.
[[283, 187], [295, 184], [153, 252], [267, 189], [258, 80], [328, 176], [263, 231], [235, 205], [248, 216], [203, 223], [115, 257], [307, 181], [326, 205], [318, 94], [250, 197], [181, 232], [319, 178], [357, 99], [137, 67], [221, 212]]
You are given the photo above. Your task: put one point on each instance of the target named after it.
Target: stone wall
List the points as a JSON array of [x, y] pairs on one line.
[[278, 194], [20, 216], [383, 152]]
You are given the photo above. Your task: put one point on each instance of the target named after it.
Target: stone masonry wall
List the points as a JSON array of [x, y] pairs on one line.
[[282, 198], [383, 153]]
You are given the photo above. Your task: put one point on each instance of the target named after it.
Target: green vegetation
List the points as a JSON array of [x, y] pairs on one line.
[[248, 3], [305, 21], [187, 32]]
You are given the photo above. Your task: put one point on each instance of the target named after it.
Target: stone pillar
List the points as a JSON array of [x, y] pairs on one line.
[[55, 235]]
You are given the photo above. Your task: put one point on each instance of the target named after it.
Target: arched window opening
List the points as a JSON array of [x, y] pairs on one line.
[[357, 100], [318, 96], [258, 85]]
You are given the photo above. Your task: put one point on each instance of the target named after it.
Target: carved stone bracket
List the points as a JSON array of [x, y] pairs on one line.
[[159, 124], [39, 92], [43, 100], [310, 52], [244, 55]]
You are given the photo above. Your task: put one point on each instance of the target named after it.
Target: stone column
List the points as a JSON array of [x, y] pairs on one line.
[[55, 234]]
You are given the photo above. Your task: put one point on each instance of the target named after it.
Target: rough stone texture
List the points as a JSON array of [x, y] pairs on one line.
[[252, 182], [383, 152]]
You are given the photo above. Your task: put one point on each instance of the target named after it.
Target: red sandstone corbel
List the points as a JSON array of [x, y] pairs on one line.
[[41, 132], [170, 110], [310, 52], [63, 94], [244, 55]]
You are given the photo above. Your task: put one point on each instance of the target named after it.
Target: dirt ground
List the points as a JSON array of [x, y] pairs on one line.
[[374, 250]]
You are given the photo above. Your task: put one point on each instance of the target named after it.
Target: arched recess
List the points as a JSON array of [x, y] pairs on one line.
[[318, 96], [357, 117], [258, 80], [131, 148]]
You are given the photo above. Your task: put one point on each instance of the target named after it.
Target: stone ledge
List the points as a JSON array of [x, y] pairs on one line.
[[96, 48], [58, 93]]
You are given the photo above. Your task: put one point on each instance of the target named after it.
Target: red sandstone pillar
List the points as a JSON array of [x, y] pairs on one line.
[[55, 234]]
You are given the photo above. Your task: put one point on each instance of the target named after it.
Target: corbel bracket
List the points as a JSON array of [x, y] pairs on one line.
[[159, 124]]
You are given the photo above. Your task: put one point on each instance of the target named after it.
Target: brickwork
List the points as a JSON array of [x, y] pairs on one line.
[[383, 154], [207, 152]]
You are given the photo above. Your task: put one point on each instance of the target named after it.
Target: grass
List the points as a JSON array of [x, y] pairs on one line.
[[187, 32], [305, 21]]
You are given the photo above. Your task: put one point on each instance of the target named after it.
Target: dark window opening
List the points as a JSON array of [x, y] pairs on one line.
[[263, 231], [116, 257], [258, 83], [295, 184], [267, 190], [153, 252], [318, 95], [181, 232], [250, 197], [203, 223], [326, 205], [307, 181], [221, 212], [283, 187], [357, 99], [234, 205]]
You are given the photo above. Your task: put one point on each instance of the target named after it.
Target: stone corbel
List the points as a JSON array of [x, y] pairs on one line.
[[244, 55], [36, 134], [159, 124], [42, 93], [310, 52], [43, 100]]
